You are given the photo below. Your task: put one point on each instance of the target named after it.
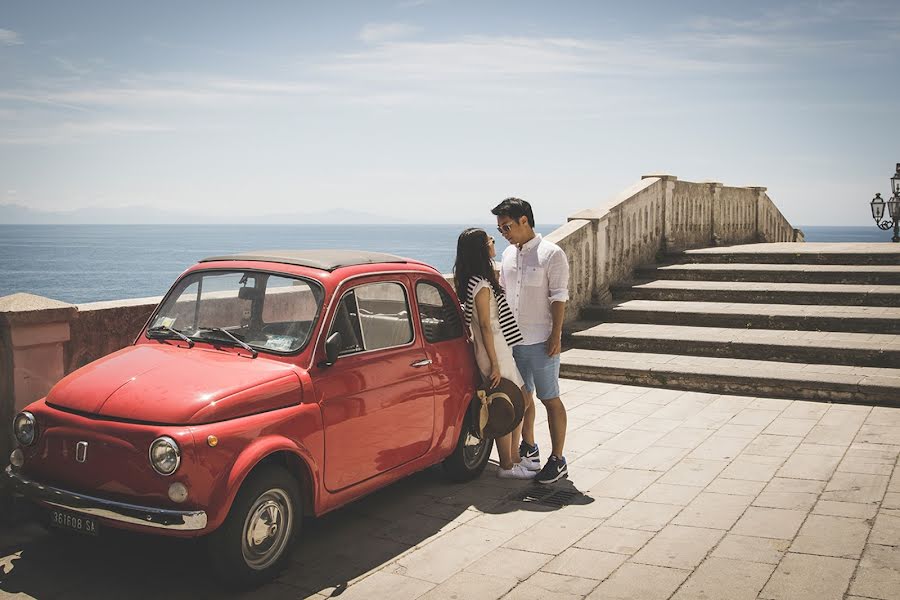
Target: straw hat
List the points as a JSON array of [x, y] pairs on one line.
[[502, 408]]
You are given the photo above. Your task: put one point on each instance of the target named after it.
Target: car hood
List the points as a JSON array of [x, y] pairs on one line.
[[177, 385]]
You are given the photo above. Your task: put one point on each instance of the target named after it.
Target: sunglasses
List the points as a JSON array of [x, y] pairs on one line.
[[505, 227]]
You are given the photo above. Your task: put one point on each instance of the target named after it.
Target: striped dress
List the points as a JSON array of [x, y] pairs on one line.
[[504, 328]]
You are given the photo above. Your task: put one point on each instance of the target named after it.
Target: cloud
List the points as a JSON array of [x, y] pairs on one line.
[[9, 38], [71, 131], [379, 32], [551, 78], [71, 67], [161, 91], [798, 16], [486, 58]]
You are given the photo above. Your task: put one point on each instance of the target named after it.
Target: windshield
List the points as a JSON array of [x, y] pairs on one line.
[[268, 312]]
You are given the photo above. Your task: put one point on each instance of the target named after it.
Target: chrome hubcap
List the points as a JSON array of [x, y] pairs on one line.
[[471, 440], [266, 529], [473, 450]]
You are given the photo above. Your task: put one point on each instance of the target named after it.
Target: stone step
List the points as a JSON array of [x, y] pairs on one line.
[[834, 383], [862, 349], [809, 253], [763, 292], [836, 274], [859, 319]]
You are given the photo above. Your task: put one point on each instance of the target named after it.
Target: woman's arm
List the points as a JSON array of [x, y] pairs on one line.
[[483, 306]]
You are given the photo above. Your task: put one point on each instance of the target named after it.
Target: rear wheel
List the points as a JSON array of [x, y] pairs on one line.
[[471, 454], [253, 544]]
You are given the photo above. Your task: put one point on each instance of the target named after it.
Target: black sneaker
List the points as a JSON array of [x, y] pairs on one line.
[[553, 471], [529, 456]]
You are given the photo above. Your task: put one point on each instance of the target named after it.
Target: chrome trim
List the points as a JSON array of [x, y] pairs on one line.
[[174, 444], [147, 516], [27, 415], [81, 449]]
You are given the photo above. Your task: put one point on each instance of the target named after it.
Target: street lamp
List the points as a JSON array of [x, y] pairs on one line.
[[893, 208]]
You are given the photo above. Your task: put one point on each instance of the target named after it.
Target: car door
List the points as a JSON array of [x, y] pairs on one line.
[[377, 399], [452, 367]]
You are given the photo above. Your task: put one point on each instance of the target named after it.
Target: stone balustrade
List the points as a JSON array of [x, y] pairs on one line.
[[659, 215]]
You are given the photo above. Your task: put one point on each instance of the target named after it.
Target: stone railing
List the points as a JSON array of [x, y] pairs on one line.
[[660, 215]]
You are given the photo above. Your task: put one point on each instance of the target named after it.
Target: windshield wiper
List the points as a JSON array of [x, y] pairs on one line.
[[169, 330], [233, 337]]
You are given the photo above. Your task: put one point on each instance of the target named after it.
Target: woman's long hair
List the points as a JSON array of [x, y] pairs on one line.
[[473, 260]]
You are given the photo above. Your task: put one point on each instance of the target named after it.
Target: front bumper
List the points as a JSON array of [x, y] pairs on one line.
[[121, 512]]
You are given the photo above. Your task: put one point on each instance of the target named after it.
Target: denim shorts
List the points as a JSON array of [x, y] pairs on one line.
[[540, 372]]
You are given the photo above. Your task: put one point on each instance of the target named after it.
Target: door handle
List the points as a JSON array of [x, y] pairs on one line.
[[421, 363]]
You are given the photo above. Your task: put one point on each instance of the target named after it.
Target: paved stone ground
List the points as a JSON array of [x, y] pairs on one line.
[[686, 495]]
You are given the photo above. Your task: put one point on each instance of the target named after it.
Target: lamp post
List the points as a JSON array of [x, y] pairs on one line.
[[893, 208]]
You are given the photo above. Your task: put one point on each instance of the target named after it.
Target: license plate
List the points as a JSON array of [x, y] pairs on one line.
[[74, 522]]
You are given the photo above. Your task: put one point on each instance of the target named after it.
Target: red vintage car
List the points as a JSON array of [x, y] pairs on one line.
[[265, 387]]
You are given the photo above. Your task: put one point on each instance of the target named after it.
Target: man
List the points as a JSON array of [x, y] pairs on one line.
[[535, 275]]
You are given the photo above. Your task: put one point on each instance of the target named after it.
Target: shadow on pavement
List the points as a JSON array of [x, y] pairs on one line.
[[331, 552]]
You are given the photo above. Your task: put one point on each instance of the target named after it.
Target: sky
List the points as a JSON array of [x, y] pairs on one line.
[[435, 110]]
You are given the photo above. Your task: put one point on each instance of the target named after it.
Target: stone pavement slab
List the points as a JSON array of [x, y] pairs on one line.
[[679, 495], [832, 536], [640, 582], [725, 578], [805, 577], [878, 575]]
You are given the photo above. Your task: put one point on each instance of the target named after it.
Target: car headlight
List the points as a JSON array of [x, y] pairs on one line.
[[165, 456], [25, 428]]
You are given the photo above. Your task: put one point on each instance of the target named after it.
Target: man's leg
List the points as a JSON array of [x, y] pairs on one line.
[[546, 385], [557, 420]]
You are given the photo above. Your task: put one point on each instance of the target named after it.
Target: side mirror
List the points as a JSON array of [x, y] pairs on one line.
[[333, 345]]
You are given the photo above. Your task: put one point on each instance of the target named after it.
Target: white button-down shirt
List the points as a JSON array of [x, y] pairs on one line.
[[533, 278]]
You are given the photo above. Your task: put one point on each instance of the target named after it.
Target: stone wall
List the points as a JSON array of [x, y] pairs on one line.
[[100, 328]]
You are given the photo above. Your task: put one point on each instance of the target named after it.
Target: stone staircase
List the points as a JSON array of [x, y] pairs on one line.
[[813, 321]]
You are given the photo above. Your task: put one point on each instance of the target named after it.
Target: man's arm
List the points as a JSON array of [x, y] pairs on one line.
[[558, 313], [558, 279]]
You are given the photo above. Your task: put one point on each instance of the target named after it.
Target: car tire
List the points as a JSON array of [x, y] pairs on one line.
[[254, 543], [471, 454]]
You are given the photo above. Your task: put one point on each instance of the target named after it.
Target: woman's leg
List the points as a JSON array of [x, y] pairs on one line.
[[528, 419], [505, 451]]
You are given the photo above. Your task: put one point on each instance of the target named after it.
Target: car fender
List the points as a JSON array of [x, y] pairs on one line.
[[255, 453]]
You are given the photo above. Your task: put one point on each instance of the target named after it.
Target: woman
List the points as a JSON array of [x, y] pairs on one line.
[[494, 329]]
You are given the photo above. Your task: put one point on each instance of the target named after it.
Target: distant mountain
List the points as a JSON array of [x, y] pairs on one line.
[[16, 214]]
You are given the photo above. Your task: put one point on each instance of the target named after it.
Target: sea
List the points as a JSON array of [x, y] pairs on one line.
[[91, 263]]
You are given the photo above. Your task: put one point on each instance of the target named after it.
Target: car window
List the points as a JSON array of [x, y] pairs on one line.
[[373, 316], [346, 322], [438, 313], [267, 311]]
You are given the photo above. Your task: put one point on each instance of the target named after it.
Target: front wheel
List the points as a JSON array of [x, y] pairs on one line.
[[254, 542], [471, 454]]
